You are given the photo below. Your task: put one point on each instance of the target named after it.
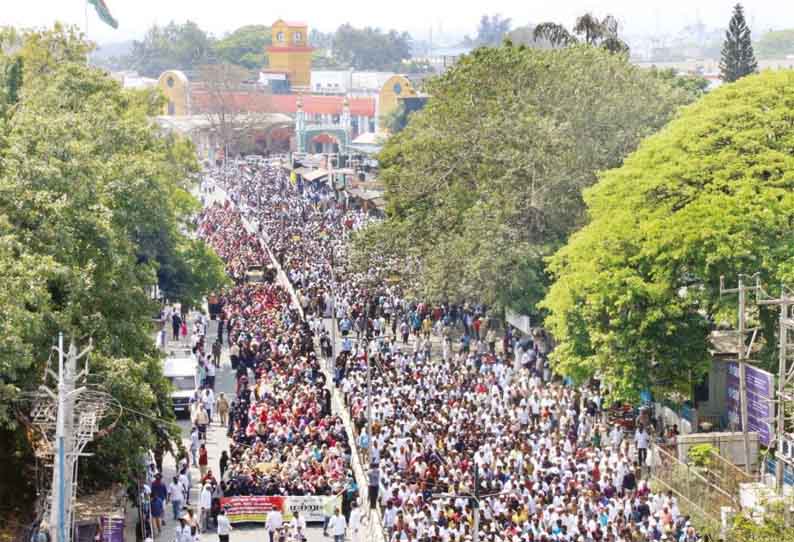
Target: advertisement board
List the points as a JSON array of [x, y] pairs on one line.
[[254, 509], [760, 394]]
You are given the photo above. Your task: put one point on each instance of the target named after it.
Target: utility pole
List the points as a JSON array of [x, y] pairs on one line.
[[742, 360], [784, 377], [67, 418]]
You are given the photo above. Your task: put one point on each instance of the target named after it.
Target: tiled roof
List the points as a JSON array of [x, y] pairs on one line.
[[201, 101]]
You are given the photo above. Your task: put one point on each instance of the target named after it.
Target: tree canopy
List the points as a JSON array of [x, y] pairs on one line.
[[636, 291], [94, 210], [370, 48], [173, 46], [485, 181], [244, 47], [491, 31], [588, 29]]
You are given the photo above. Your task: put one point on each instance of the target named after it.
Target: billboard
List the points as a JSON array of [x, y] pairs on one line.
[[760, 394]]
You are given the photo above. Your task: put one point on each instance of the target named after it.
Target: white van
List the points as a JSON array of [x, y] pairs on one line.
[[180, 370]]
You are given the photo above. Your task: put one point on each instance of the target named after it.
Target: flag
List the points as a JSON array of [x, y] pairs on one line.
[[104, 13]]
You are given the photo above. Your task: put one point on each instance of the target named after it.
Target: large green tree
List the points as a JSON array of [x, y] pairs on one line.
[[486, 180], [636, 291], [94, 210], [245, 47], [182, 46], [738, 59], [370, 48]]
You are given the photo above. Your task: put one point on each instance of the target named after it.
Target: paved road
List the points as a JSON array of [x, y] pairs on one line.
[[217, 441]]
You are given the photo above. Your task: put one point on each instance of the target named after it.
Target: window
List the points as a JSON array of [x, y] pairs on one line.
[[280, 36], [170, 82], [297, 36], [171, 108]]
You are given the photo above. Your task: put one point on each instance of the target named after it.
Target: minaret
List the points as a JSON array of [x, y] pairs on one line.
[[300, 125]]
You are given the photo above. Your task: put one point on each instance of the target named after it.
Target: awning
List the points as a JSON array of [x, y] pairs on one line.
[[314, 175]]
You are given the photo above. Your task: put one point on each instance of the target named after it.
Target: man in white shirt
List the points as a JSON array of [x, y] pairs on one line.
[[641, 440], [224, 526], [338, 526], [176, 496], [205, 505], [273, 523]]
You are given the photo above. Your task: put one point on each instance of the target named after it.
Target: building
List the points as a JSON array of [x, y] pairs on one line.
[[327, 109], [290, 53]]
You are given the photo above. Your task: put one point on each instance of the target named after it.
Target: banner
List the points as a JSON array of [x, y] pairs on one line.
[[760, 394], [254, 509]]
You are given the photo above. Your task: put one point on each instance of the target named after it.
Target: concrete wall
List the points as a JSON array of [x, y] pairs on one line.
[[730, 445]]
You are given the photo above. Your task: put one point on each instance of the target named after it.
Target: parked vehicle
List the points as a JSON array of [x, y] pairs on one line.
[[180, 370]]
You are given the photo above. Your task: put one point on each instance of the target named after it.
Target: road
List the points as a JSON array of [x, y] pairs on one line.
[[217, 441]]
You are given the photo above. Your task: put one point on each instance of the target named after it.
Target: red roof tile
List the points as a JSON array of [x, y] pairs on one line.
[[201, 101]]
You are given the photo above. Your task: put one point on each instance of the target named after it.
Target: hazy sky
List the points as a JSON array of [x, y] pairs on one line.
[[448, 18]]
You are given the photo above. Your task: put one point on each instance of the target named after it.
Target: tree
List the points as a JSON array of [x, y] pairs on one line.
[[232, 116], [485, 181], [694, 85], [491, 31], [94, 209], [737, 58], [174, 46], [637, 290], [589, 28], [370, 48], [776, 44], [244, 47]]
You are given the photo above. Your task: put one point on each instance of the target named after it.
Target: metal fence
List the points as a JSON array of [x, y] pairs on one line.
[[699, 496]]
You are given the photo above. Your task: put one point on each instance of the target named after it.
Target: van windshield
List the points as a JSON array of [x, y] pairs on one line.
[[183, 383]]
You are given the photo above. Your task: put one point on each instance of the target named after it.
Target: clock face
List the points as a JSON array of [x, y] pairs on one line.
[[398, 88]]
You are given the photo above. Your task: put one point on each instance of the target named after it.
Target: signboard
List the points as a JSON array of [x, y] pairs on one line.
[[518, 321], [760, 393], [254, 509]]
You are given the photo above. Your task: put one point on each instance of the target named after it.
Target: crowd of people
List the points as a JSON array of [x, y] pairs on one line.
[[479, 423], [284, 439]]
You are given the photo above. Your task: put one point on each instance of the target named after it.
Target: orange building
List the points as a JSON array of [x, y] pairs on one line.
[[290, 53]]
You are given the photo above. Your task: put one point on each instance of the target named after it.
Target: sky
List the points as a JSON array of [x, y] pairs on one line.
[[449, 19]]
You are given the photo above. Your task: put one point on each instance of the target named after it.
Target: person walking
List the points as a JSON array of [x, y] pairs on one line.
[[224, 526], [176, 497], [203, 460], [202, 420], [205, 506], [223, 462], [355, 522], [194, 444], [273, 523], [216, 353], [373, 484], [338, 526], [222, 406], [156, 508], [642, 440]]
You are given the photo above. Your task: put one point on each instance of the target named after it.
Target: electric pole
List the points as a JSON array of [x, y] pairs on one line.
[[742, 360], [784, 376], [67, 419]]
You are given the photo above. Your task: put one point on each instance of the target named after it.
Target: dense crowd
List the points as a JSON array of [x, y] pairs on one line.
[[476, 420], [284, 439]]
